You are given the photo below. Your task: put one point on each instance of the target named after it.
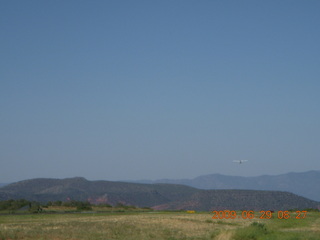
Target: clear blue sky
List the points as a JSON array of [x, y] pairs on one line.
[[120, 90]]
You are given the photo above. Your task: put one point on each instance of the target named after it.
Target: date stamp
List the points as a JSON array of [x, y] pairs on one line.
[[227, 214]]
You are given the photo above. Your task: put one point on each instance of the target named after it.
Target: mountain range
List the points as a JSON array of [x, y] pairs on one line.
[[306, 184], [159, 196]]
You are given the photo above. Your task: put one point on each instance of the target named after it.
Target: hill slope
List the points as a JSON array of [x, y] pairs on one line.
[[44, 190], [158, 196], [290, 182], [241, 200]]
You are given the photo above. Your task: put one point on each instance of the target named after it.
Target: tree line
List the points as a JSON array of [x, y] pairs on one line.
[[36, 207]]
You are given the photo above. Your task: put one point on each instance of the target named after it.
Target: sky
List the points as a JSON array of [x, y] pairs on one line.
[[130, 90]]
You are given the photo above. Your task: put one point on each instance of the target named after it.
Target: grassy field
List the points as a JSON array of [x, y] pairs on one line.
[[155, 225]]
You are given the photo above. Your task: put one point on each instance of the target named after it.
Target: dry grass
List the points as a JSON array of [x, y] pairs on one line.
[[129, 226], [111, 226]]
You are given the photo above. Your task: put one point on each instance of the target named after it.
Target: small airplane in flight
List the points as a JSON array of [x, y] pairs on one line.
[[240, 161]]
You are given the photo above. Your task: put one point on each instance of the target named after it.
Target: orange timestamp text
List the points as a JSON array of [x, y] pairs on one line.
[[227, 214]]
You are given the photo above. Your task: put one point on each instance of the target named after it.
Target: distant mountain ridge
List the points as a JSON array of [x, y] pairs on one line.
[[306, 184], [158, 196]]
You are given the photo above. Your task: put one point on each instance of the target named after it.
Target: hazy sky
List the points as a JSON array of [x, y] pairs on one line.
[[120, 90]]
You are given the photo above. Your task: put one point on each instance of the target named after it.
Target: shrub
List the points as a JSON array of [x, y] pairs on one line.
[[83, 206]]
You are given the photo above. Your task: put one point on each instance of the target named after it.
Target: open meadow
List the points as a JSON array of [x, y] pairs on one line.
[[155, 225]]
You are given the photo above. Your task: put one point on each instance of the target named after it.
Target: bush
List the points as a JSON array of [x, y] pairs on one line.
[[83, 206], [35, 207]]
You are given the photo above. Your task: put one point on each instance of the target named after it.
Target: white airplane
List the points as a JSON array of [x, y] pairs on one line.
[[240, 161]]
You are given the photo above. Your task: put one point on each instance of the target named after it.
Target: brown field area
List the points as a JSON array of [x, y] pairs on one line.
[[155, 225]]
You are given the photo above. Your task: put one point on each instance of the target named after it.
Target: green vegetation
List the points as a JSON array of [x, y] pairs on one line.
[[23, 206], [282, 229], [13, 205], [253, 231], [19, 206]]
